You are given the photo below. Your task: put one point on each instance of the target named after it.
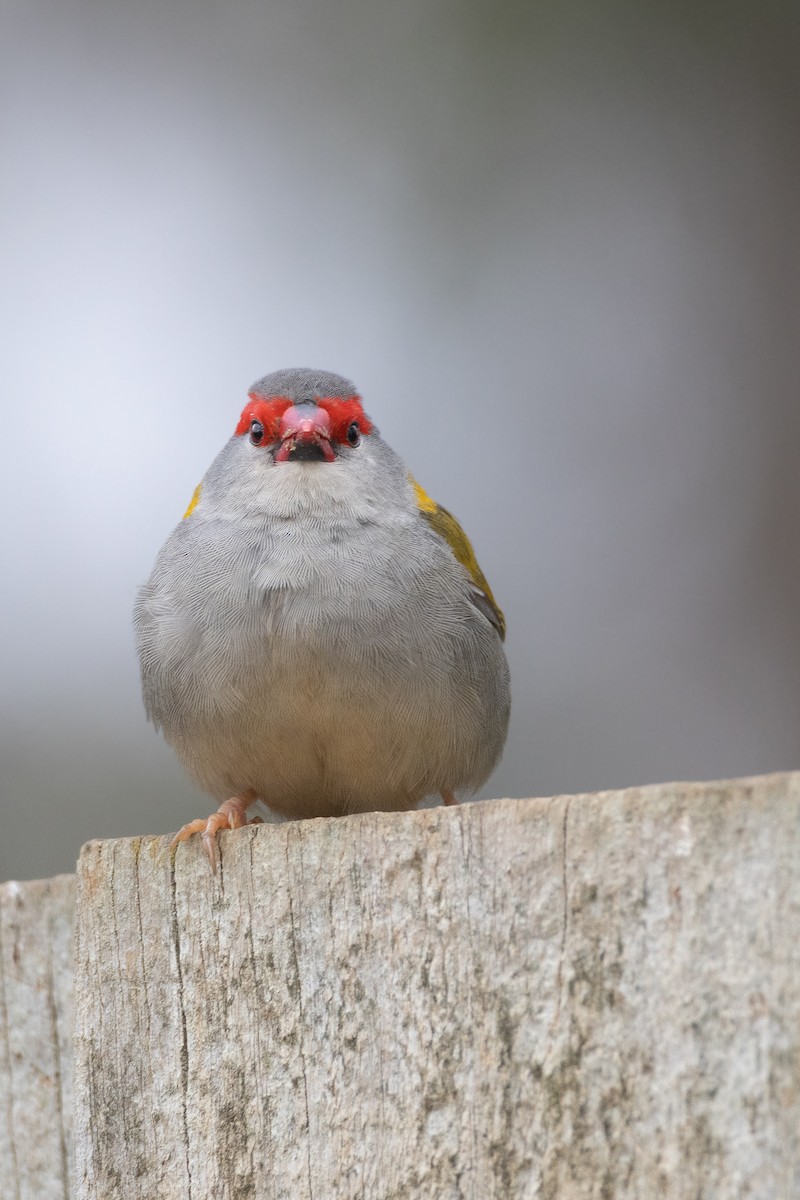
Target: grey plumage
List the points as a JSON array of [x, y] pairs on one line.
[[306, 634]]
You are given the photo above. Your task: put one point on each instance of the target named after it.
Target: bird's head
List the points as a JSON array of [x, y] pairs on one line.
[[303, 444], [304, 416]]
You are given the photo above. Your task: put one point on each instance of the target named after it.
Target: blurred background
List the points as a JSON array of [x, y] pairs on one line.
[[555, 245]]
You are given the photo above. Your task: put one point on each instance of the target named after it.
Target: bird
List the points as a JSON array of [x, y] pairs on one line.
[[316, 633]]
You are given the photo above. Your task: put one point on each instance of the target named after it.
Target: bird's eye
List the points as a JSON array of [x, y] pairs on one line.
[[256, 433], [353, 434]]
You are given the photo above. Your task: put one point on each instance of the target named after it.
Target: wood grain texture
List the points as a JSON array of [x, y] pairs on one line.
[[589, 996], [36, 928]]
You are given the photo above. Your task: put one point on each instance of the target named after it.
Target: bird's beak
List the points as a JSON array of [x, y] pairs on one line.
[[305, 435]]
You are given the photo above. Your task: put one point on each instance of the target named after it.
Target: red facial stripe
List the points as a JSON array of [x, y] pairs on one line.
[[342, 411], [266, 409]]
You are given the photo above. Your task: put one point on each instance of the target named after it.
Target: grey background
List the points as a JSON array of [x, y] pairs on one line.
[[555, 246]]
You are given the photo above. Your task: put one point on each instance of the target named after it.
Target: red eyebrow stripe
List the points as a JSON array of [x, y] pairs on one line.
[[342, 410], [266, 409]]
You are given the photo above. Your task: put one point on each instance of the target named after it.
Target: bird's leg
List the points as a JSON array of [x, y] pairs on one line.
[[448, 797], [231, 814]]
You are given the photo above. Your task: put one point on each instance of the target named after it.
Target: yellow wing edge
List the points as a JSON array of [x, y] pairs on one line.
[[195, 500]]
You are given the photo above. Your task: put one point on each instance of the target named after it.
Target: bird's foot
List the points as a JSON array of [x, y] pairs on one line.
[[231, 814], [448, 798]]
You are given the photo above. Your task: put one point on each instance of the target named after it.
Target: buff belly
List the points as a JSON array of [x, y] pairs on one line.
[[316, 732]]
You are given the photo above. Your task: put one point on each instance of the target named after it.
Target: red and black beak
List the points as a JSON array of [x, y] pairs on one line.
[[305, 435]]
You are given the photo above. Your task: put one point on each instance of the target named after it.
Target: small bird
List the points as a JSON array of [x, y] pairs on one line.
[[316, 633]]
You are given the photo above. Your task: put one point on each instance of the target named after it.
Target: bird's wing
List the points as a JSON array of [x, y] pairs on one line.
[[445, 524]]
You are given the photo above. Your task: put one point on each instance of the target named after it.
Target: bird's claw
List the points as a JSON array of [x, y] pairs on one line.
[[231, 814]]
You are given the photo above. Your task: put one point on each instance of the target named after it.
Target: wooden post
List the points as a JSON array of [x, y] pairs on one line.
[[585, 997], [36, 923]]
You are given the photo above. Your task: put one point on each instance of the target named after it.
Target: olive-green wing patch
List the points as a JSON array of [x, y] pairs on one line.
[[445, 524]]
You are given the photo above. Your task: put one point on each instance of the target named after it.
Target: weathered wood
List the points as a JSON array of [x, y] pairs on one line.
[[36, 926], [592, 996]]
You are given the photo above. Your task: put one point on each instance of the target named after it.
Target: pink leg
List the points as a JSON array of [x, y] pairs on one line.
[[231, 814], [448, 797]]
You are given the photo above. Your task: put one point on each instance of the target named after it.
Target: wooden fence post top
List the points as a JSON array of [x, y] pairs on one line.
[[36, 924], [586, 996]]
